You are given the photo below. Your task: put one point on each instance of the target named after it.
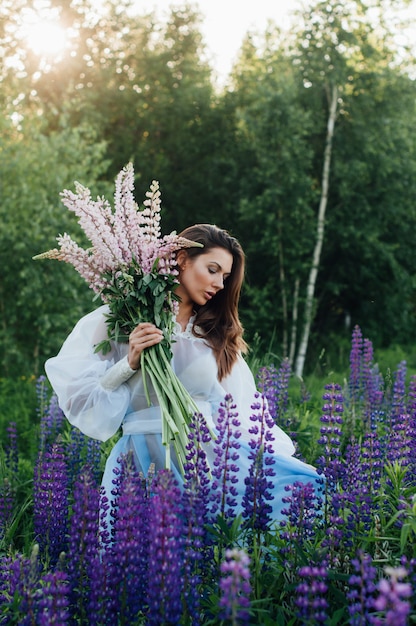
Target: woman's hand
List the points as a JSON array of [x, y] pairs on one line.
[[143, 336]]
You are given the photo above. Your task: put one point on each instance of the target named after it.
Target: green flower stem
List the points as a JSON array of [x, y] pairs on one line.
[[174, 419]]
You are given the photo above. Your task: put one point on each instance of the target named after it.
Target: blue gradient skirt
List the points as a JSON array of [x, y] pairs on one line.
[[150, 454]]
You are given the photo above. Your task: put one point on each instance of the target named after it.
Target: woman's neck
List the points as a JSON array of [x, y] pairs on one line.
[[186, 310]]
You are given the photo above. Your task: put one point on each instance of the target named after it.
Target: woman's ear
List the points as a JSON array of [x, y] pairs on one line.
[[181, 259]]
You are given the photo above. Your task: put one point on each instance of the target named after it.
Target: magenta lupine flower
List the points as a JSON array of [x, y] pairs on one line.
[[165, 574], [85, 573], [392, 600], [50, 502], [311, 595], [235, 588], [259, 483], [126, 557], [52, 604], [361, 590], [225, 469]]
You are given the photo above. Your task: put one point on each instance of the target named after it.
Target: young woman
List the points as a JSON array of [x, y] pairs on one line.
[[99, 393]]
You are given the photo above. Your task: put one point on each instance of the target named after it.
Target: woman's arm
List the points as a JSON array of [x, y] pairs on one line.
[[89, 385]]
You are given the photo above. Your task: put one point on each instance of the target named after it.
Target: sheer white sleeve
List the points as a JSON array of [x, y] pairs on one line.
[[241, 385], [91, 387]]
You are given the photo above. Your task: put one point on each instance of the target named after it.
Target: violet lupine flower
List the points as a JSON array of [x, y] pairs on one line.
[[51, 421], [197, 557], [126, 558], [412, 430], [165, 529], [84, 569], [9, 478], [7, 499], [392, 600], [225, 469], [399, 391], [362, 475], [93, 458], [259, 484], [372, 383], [235, 588], [329, 463], [310, 595], [399, 441], [274, 385], [52, 604], [12, 455], [361, 590], [21, 582], [50, 498], [355, 379], [302, 514]]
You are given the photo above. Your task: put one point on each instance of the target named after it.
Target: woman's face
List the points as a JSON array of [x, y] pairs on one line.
[[204, 275]]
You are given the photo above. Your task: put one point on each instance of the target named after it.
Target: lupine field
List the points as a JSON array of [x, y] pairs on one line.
[[155, 553]]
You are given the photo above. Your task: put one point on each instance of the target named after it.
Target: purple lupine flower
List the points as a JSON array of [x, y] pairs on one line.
[[412, 430], [126, 557], [355, 380], [362, 474], [399, 391], [12, 455], [84, 569], [195, 506], [51, 421], [52, 604], [311, 595], [225, 469], [372, 383], [274, 385], [361, 590], [7, 500], [22, 581], [93, 458], [42, 395], [165, 574], [235, 588], [9, 480], [392, 600], [50, 497], [302, 514], [329, 462], [259, 484]]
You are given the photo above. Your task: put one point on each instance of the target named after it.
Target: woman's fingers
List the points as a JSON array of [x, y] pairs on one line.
[[143, 336]]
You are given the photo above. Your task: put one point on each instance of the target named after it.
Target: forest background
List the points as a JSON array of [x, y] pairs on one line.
[[306, 154]]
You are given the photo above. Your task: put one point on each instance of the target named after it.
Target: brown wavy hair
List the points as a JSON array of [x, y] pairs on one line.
[[218, 320]]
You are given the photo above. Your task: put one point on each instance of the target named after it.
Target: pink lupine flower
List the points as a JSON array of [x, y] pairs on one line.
[[130, 260]]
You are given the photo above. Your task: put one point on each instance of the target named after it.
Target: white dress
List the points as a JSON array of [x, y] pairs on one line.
[[101, 393]]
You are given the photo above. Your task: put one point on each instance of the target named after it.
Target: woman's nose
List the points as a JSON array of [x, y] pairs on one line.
[[219, 281]]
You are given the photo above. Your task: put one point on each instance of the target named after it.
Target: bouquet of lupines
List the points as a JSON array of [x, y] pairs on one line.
[[132, 268]]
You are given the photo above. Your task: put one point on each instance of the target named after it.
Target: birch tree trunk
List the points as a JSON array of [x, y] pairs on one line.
[[313, 274]]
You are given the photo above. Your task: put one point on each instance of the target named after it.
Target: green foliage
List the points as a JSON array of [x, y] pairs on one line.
[[248, 158]]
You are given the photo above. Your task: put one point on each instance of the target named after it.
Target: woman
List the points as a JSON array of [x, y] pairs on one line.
[[99, 393]]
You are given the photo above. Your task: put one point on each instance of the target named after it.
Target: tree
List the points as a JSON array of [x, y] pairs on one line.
[[39, 301], [337, 44]]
